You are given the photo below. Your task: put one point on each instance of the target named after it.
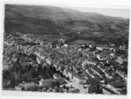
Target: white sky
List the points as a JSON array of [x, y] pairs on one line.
[[116, 8], [106, 11]]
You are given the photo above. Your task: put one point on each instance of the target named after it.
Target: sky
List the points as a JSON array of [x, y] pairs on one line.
[[106, 11], [113, 8], [109, 8], [115, 12]]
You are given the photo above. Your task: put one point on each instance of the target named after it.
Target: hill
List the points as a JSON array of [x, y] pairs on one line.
[[60, 22]]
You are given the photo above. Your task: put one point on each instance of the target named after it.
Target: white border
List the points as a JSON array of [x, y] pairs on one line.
[[116, 4]]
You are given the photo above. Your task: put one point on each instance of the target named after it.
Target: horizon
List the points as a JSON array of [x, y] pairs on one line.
[[123, 13]]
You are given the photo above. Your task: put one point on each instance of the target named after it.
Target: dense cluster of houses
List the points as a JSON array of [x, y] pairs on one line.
[[60, 67]]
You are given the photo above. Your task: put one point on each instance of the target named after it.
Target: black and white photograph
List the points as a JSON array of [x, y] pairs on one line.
[[55, 49]]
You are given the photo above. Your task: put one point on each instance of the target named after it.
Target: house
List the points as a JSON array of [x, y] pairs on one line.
[[99, 57], [112, 55], [87, 62], [56, 76], [99, 48], [84, 46], [122, 47], [28, 86], [48, 61], [51, 83], [65, 45], [103, 56], [119, 60]]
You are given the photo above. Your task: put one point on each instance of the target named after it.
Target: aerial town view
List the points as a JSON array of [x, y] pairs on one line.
[[62, 50]]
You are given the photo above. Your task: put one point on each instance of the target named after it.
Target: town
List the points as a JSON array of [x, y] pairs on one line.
[[32, 64]]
